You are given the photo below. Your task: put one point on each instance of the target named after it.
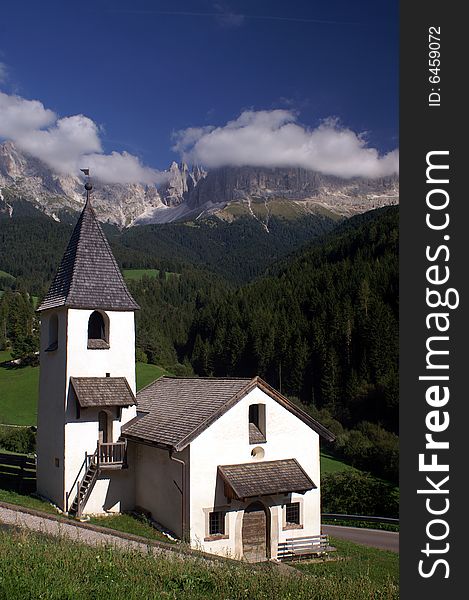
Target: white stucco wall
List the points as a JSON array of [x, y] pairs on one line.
[[158, 485], [51, 411], [60, 433], [81, 435], [227, 442]]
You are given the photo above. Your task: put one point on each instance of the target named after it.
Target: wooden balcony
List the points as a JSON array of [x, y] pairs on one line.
[[111, 455]]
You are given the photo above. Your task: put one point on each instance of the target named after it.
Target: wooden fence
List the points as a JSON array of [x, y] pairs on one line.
[[17, 472]]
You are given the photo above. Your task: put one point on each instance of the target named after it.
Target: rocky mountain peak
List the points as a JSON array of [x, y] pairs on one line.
[[189, 192]]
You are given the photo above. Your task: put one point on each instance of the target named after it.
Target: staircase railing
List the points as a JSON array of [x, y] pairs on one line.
[[105, 455], [81, 501], [84, 467]]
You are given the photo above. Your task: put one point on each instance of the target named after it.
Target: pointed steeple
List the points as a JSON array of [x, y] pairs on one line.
[[88, 276]]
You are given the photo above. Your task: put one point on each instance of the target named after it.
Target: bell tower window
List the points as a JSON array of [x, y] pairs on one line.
[[53, 333], [98, 331]]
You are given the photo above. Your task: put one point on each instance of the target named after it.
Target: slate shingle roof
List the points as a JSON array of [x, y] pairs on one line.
[[88, 276], [102, 391], [176, 410], [176, 407], [265, 478]]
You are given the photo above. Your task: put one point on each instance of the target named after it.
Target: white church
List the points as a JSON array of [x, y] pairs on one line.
[[229, 465]]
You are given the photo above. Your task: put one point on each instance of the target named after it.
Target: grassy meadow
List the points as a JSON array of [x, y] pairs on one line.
[[19, 386], [35, 566], [330, 464], [136, 274]]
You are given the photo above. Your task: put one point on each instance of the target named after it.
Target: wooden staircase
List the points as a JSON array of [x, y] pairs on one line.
[[85, 487], [105, 457]]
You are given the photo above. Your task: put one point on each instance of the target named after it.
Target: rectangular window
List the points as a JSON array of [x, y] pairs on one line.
[[257, 424], [254, 415], [292, 514], [216, 523]]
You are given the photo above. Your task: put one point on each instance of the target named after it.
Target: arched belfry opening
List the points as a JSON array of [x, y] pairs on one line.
[[98, 331]]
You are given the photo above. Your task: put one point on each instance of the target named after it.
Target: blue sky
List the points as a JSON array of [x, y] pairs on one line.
[[143, 70]]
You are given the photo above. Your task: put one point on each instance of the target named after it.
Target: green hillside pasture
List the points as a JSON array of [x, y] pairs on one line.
[[382, 567], [276, 207], [330, 464], [147, 373], [20, 387], [137, 274], [58, 568]]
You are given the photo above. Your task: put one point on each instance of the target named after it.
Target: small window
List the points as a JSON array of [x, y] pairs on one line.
[[292, 513], [98, 331], [257, 424], [53, 333], [216, 523]]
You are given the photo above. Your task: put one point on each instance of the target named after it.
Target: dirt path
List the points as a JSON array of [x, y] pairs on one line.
[[91, 535]]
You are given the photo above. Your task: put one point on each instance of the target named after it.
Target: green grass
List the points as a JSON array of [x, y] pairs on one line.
[[35, 566], [130, 524], [20, 386], [147, 373], [135, 274], [381, 566], [330, 464], [119, 522], [28, 501]]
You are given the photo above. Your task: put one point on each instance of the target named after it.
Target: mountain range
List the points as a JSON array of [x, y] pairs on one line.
[[190, 193]]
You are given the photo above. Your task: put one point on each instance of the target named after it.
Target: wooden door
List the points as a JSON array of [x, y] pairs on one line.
[[103, 421], [255, 532]]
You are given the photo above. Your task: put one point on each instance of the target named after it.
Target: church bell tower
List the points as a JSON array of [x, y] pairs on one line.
[[87, 376]]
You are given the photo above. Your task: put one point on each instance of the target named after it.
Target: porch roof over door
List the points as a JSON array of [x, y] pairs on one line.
[[102, 391], [249, 480]]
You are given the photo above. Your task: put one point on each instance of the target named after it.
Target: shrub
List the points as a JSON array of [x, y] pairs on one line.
[[140, 356], [355, 493], [18, 439]]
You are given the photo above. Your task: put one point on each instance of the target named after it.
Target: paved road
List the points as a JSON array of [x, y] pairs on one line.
[[376, 538]]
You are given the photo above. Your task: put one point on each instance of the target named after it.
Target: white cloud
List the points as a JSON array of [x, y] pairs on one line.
[[19, 116], [68, 144], [274, 139], [122, 168], [184, 138]]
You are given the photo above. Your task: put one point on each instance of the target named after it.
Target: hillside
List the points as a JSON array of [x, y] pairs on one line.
[[32, 245], [62, 568], [322, 326]]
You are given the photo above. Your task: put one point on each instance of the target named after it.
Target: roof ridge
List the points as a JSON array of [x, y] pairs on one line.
[[205, 378]]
